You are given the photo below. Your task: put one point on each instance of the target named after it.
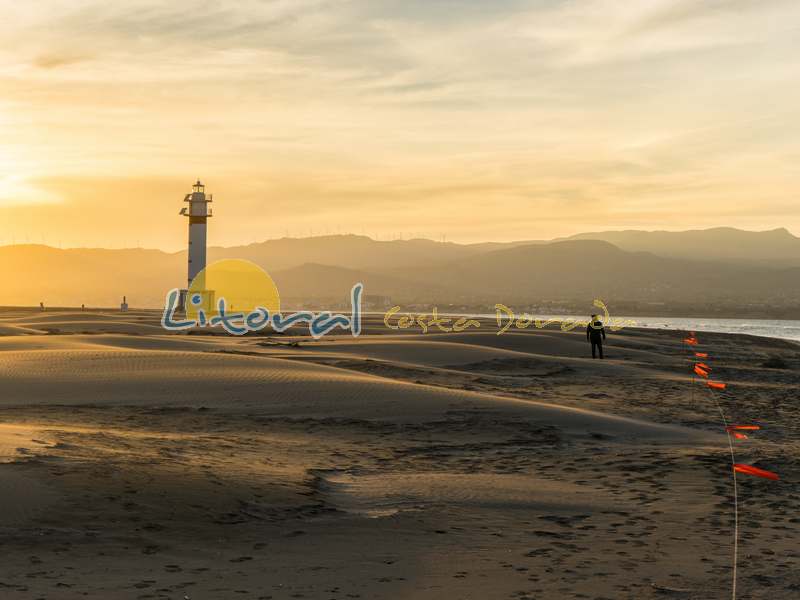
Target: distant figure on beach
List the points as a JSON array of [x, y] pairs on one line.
[[41, 306], [596, 333]]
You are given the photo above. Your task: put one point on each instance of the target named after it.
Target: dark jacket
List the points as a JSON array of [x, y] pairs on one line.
[[595, 330]]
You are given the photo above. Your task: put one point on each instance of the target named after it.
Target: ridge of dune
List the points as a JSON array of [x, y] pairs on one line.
[[269, 384]]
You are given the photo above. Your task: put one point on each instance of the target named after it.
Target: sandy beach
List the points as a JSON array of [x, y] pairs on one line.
[[144, 465]]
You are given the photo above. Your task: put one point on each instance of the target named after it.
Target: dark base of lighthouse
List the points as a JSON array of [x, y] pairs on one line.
[[207, 301], [182, 294]]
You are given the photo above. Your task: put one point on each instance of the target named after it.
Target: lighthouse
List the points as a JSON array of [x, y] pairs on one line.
[[198, 213]]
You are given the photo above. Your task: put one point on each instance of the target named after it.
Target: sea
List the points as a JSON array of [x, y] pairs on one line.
[[782, 329], [778, 328]]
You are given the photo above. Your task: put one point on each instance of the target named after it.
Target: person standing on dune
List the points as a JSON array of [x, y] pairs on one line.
[[595, 334]]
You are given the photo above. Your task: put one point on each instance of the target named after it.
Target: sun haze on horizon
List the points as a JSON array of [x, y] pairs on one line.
[[476, 120]]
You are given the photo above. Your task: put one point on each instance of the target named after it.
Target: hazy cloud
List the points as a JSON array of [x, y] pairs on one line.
[[660, 112]]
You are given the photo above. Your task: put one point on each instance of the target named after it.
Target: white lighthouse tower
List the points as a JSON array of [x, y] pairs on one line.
[[198, 213]]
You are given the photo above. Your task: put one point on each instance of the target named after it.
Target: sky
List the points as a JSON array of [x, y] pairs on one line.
[[464, 119]]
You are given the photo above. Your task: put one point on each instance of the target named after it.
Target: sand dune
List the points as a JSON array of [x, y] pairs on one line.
[[137, 464], [267, 385]]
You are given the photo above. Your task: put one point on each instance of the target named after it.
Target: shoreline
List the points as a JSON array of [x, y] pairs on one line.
[[764, 328]]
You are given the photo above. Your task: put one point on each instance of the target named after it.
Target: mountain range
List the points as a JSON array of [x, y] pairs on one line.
[[776, 247], [713, 270]]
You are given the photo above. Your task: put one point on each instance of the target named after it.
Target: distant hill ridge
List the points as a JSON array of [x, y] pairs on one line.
[[776, 246], [715, 265]]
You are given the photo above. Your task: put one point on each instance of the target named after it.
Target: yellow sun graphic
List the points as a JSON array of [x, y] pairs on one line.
[[244, 285]]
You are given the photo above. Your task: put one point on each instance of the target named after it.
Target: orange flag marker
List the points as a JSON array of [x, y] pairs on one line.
[[739, 436], [690, 341], [701, 354], [700, 372], [751, 470], [717, 385], [745, 427], [704, 366]]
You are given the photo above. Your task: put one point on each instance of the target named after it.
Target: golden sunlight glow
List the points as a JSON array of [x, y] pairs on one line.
[[492, 121], [16, 190]]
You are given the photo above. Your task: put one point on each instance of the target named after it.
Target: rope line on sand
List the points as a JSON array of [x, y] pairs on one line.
[[735, 494], [735, 485], [703, 370]]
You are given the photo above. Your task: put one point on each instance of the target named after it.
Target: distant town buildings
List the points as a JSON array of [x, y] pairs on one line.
[[375, 302]]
